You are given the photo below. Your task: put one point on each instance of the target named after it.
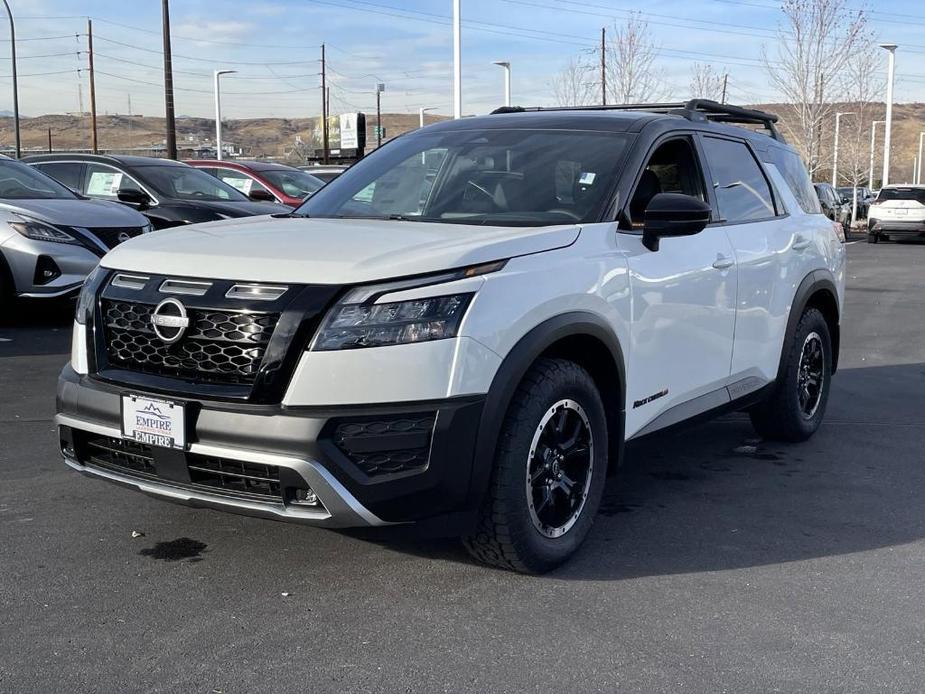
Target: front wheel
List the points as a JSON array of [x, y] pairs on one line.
[[795, 407], [550, 469]]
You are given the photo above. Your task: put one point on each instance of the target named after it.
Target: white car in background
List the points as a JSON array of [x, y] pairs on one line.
[[897, 213]]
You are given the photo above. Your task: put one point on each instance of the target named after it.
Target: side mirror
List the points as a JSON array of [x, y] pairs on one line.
[[673, 214], [131, 196], [261, 195]]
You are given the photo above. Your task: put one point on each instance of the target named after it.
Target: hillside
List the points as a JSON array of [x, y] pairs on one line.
[[277, 137]]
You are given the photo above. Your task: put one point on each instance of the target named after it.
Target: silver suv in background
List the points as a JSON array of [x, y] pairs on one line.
[[50, 237]]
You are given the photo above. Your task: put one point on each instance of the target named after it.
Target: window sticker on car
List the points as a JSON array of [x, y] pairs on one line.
[[587, 178], [242, 184], [104, 183]]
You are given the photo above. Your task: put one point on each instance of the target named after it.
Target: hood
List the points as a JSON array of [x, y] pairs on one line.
[[244, 208], [327, 251], [77, 213]]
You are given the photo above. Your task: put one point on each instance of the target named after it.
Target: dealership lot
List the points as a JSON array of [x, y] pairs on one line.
[[719, 563]]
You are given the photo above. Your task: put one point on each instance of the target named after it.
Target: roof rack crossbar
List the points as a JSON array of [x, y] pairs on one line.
[[695, 110]]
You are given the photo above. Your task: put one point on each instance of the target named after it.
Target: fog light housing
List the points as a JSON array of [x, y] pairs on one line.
[[46, 270], [306, 497]]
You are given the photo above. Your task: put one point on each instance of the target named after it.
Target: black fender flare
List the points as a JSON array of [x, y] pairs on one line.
[[814, 282], [512, 371]]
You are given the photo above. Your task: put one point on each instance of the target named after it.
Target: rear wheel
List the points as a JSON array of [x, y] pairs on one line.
[[795, 408], [872, 237], [550, 468]]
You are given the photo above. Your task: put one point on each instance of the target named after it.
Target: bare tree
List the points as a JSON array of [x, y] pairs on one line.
[[574, 84], [815, 46], [632, 74], [706, 82]]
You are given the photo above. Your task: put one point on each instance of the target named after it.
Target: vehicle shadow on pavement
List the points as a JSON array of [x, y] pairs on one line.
[[41, 327], [714, 497]]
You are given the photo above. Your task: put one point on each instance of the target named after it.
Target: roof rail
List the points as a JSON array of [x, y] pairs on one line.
[[694, 110]]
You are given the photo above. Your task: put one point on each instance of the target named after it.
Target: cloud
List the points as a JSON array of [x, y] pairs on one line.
[[214, 30]]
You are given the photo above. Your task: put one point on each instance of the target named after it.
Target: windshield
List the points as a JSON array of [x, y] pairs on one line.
[[21, 182], [492, 177], [295, 183], [187, 183], [917, 194]]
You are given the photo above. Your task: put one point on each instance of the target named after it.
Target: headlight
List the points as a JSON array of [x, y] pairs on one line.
[[147, 228], [350, 326], [87, 298], [40, 231]]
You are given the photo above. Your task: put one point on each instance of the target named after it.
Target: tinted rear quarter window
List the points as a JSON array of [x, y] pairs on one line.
[[68, 173], [742, 191], [794, 173]]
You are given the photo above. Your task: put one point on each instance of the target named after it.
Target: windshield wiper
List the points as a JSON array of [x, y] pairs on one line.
[[380, 217]]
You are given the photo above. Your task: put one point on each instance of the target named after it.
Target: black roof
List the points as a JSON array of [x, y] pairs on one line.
[[700, 114], [123, 159]]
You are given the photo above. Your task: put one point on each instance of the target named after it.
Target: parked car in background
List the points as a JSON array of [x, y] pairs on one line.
[[832, 205], [326, 173], [261, 180], [51, 238], [167, 192], [898, 212], [864, 198]]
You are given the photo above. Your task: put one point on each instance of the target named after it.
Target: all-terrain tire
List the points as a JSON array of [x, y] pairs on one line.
[[506, 534], [784, 415]]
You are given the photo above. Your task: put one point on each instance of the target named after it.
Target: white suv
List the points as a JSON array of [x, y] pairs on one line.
[[897, 213], [462, 330]]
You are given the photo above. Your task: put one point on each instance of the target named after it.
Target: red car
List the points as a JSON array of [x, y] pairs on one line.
[[261, 180]]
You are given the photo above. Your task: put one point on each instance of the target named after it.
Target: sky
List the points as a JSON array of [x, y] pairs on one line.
[[274, 45]]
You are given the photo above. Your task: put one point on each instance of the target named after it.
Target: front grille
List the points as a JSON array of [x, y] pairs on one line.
[[386, 445], [235, 478], [235, 475], [113, 236], [218, 346]]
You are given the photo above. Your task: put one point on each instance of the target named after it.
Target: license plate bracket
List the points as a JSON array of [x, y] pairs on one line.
[[154, 421]]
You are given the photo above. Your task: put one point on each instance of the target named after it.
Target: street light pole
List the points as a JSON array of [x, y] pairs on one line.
[[888, 133], [918, 178], [835, 153], [422, 111], [218, 113], [457, 62], [507, 80], [380, 87], [873, 133], [9, 13]]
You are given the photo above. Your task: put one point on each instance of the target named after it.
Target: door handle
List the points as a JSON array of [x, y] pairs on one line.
[[800, 242], [723, 263]]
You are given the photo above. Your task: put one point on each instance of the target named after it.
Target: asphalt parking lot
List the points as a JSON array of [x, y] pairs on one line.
[[719, 563]]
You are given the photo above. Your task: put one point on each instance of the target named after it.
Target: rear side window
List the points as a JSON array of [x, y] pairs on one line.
[[916, 194], [68, 173], [794, 173], [742, 192]]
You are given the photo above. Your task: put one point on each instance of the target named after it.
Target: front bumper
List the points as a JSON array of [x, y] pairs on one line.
[[23, 256], [304, 447]]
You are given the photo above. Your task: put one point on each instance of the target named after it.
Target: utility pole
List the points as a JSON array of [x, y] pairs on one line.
[[603, 66], [218, 112], [324, 109], [457, 61], [94, 142], [171, 122], [9, 13], [725, 84], [49, 141]]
